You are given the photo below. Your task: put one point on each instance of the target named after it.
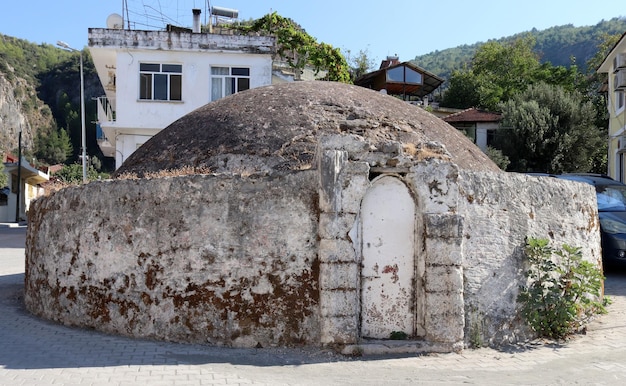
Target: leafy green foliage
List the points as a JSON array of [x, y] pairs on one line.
[[359, 64], [498, 72], [3, 176], [497, 157], [563, 291], [299, 48], [542, 125], [54, 148], [73, 173], [556, 45], [28, 60], [398, 335], [55, 73]]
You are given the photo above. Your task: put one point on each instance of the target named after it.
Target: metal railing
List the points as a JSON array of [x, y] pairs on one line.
[[105, 110]]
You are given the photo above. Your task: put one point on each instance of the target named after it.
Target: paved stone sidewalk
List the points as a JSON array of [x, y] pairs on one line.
[[37, 352]]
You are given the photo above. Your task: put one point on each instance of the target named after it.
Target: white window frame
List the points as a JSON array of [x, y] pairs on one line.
[[620, 101], [228, 80], [161, 82]]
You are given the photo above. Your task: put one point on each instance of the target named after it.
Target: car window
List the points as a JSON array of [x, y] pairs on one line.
[[611, 198]]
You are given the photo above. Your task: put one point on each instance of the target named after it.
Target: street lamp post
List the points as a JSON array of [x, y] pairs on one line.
[[82, 108], [19, 177]]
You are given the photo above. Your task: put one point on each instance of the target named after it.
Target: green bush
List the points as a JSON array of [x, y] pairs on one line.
[[563, 291]]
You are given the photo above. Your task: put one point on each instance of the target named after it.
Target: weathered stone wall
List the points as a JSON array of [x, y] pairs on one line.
[[440, 259], [222, 260], [277, 260], [499, 210]]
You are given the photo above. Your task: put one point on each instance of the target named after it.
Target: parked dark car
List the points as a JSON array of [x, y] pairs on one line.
[[611, 197]]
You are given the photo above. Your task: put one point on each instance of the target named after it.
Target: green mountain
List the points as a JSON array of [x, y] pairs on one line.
[[561, 46], [40, 94], [40, 88]]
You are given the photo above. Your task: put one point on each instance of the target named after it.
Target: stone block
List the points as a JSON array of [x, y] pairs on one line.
[[443, 279], [331, 163], [350, 143], [339, 330], [354, 183], [445, 317], [338, 276], [444, 251], [333, 251], [335, 225], [443, 225], [436, 186], [339, 302]]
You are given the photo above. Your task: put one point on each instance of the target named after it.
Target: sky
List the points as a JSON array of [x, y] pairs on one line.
[[405, 28]]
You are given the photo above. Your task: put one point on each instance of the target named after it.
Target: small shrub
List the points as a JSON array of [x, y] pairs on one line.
[[563, 291], [398, 335]]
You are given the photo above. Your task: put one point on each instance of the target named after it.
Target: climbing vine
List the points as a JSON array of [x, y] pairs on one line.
[[299, 48]]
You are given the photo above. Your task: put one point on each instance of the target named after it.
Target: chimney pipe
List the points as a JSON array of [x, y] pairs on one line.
[[196, 20]]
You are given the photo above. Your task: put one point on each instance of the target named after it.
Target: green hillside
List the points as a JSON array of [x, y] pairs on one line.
[[557, 45]]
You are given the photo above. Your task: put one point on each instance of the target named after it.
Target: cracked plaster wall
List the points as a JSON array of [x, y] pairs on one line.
[[265, 261], [499, 212], [227, 261]]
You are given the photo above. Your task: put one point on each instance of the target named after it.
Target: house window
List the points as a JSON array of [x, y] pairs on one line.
[[404, 74], [228, 80], [4, 197], [14, 183], [491, 137], [619, 101], [160, 82]]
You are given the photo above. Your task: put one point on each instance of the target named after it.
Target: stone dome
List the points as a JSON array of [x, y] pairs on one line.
[[277, 128]]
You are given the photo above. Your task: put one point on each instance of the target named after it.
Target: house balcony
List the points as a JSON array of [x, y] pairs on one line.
[[106, 119]]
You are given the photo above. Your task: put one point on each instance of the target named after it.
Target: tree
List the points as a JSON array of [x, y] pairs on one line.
[[3, 176], [497, 157], [549, 129], [53, 148], [463, 92], [497, 72], [359, 64], [73, 174], [299, 48]]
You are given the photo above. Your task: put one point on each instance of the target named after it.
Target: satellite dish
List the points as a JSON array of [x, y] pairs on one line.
[[115, 21]]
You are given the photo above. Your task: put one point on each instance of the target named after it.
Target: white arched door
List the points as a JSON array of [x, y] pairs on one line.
[[388, 265]]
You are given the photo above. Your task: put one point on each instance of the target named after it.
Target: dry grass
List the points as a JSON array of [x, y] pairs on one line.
[[409, 148], [183, 171], [55, 185]]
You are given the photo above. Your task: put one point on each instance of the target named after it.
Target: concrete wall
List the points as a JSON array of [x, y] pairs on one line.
[[195, 259]]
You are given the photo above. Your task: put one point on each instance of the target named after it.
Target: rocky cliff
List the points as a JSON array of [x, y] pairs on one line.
[[20, 108]]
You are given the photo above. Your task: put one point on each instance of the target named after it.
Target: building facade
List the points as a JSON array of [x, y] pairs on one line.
[[480, 126], [23, 186], [152, 78], [615, 66]]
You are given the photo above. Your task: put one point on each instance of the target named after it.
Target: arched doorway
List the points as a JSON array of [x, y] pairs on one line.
[[388, 229]]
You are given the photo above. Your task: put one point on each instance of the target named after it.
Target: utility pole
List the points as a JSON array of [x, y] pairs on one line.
[[19, 176]]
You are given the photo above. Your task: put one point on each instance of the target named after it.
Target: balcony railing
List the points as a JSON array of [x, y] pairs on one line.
[[105, 110]]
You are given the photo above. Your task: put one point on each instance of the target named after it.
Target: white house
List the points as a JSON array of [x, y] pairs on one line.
[[481, 126], [29, 188], [152, 78]]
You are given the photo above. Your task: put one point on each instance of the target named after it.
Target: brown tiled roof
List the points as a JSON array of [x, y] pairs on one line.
[[473, 115]]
